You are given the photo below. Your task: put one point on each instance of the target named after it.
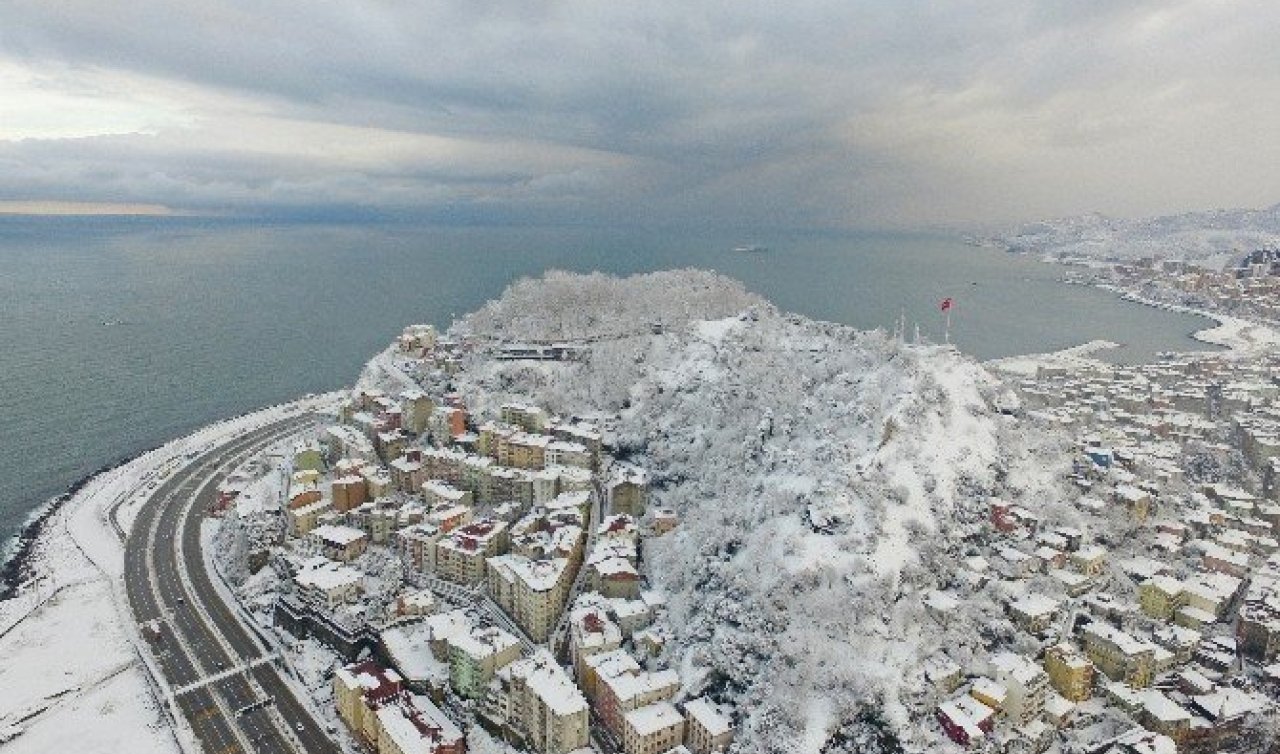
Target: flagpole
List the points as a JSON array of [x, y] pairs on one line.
[[948, 331]]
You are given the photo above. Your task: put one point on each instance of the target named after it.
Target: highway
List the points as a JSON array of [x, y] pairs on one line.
[[222, 679]]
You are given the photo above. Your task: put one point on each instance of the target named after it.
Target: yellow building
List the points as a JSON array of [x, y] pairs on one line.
[[1136, 501], [358, 690], [538, 700], [707, 727], [1089, 560], [1161, 596], [304, 518], [528, 451], [990, 693], [460, 557], [1070, 672], [532, 592], [629, 491], [527, 417], [653, 729], [1117, 654], [415, 409]]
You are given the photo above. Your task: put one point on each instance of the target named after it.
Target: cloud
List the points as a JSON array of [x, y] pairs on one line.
[[825, 113]]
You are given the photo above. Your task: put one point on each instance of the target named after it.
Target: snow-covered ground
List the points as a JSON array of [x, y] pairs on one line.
[[73, 676], [1070, 359]]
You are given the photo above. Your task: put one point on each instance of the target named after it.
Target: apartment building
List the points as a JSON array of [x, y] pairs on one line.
[[358, 691], [440, 494], [342, 543], [652, 729], [373, 703], [326, 584], [417, 545], [532, 592], [1118, 655], [538, 700], [461, 556], [1070, 672], [590, 632], [1161, 596], [616, 685], [475, 655], [708, 727], [1026, 684]]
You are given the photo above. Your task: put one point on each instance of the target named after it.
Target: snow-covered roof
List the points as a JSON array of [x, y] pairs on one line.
[[1036, 605], [550, 683], [653, 718], [483, 642], [537, 575], [1123, 641], [416, 725], [329, 577], [1228, 703], [408, 648], [990, 689], [1163, 708], [445, 626], [1016, 667], [714, 720], [633, 683], [338, 534]]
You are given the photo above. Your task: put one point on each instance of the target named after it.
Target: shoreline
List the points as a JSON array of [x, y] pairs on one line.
[[1229, 335], [15, 570], [1232, 334], [16, 566]]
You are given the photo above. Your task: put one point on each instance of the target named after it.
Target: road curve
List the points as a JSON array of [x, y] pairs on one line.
[[212, 662]]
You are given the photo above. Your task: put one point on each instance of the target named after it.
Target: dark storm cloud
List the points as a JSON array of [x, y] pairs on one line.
[[832, 113]]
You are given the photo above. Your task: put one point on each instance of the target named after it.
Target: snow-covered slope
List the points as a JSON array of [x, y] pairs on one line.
[[1211, 238], [825, 479]]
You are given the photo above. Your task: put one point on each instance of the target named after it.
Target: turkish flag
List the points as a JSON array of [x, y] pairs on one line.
[[946, 304]]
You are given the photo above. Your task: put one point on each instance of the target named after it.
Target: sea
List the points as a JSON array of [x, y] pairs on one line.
[[118, 334]]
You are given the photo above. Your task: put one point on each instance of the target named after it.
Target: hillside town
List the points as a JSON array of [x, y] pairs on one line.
[[1249, 288], [471, 571], [1146, 617], [466, 572]]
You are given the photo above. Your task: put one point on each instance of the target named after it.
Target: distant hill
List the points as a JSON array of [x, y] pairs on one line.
[[1213, 238]]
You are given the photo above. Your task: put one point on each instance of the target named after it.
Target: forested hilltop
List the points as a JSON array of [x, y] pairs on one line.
[[827, 480]]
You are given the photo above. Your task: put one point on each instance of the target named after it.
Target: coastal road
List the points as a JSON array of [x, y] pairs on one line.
[[224, 681]]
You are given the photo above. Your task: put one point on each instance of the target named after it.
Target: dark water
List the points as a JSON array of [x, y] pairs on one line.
[[118, 334]]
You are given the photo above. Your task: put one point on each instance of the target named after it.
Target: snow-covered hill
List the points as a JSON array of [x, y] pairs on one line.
[[826, 479], [1210, 238]]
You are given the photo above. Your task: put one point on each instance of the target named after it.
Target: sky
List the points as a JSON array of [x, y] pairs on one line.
[[732, 113]]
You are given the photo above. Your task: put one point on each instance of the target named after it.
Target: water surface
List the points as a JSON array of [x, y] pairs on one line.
[[119, 334]]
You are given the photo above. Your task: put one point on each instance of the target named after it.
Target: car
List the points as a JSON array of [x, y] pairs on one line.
[[300, 727], [220, 664], [182, 600]]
